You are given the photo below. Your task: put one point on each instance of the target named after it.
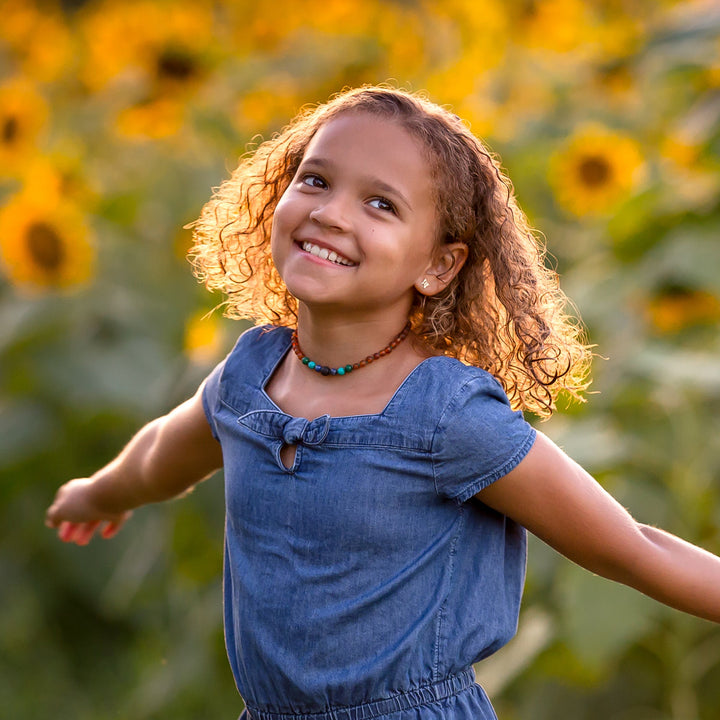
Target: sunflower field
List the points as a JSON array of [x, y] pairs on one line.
[[117, 118]]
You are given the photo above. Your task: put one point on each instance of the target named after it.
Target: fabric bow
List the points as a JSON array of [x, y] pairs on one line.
[[290, 430]]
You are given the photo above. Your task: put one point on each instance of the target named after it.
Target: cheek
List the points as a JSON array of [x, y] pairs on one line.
[[281, 210], [282, 222]]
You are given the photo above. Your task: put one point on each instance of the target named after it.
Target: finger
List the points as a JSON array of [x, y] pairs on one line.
[[72, 532], [84, 532], [66, 531], [111, 529], [50, 520]]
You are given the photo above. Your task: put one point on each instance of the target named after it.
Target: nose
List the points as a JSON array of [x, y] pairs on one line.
[[333, 214]]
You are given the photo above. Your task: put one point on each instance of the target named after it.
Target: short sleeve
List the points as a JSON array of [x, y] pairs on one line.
[[478, 439], [211, 396]]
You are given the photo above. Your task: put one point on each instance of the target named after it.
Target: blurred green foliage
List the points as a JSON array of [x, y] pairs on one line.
[[116, 119]]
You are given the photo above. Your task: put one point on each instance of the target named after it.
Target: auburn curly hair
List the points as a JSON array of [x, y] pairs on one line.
[[503, 312]]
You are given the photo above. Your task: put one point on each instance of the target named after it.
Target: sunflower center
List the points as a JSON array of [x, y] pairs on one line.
[[175, 64], [10, 129], [594, 171], [45, 246], [529, 8]]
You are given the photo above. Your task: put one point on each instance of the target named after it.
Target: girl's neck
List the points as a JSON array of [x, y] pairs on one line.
[[301, 392], [337, 340]]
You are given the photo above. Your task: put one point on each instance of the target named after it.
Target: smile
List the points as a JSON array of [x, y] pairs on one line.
[[325, 254]]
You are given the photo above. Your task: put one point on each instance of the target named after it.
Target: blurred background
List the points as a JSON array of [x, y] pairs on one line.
[[116, 120]]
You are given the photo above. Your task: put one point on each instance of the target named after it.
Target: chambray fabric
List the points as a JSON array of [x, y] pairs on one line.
[[365, 580]]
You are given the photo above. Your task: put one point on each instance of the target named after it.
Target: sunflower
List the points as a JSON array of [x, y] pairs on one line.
[[23, 113], [162, 46], [403, 39], [38, 38], [151, 120], [680, 150], [466, 40], [203, 341], [613, 84], [56, 178], [45, 246], [270, 103], [595, 170], [555, 25], [688, 171], [678, 308]]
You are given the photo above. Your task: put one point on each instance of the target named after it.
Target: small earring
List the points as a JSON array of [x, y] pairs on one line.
[[424, 284]]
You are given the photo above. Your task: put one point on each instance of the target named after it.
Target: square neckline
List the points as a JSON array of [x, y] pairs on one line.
[[283, 354]]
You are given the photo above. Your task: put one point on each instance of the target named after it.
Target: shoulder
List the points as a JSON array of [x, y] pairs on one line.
[[443, 391], [478, 436], [475, 403], [257, 351], [452, 385], [257, 347], [261, 338]]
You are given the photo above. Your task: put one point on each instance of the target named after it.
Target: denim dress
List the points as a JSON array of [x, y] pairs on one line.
[[365, 580]]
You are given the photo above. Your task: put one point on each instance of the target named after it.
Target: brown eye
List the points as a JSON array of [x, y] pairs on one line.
[[383, 204], [312, 180]]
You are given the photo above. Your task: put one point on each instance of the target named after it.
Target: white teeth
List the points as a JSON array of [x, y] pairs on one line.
[[325, 254]]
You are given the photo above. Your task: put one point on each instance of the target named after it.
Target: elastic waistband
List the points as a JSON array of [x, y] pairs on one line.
[[401, 701]]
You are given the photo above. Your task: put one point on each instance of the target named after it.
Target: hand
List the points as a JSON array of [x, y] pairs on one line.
[[76, 516]]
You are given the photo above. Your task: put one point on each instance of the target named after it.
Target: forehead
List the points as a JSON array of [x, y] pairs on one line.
[[374, 144]]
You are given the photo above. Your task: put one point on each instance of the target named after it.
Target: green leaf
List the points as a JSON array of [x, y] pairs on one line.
[[601, 619]]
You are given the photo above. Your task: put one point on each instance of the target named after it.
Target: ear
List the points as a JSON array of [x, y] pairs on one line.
[[449, 258]]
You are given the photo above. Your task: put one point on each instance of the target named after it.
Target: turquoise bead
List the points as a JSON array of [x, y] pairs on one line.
[[311, 364], [341, 371]]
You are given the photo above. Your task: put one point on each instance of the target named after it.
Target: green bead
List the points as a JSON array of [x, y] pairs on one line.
[[341, 371], [305, 360], [311, 364], [348, 368]]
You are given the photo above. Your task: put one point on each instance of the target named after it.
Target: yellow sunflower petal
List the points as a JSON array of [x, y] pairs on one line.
[[23, 113], [680, 149], [277, 99], [671, 312], [203, 341], [556, 25], [154, 120], [51, 179], [38, 38]]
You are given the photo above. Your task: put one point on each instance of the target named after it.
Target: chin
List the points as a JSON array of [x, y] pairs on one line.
[[309, 294]]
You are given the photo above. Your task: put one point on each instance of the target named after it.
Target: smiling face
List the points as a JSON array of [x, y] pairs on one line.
[[356, 230]]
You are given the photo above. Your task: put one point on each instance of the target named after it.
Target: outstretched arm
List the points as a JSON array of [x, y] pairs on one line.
[[555, 499], [165, 458]]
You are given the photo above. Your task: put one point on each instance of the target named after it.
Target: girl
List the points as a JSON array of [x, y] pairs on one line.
[[379, 473]]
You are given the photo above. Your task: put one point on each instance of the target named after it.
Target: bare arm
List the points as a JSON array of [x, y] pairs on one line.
[[555, 499], [165, 458]]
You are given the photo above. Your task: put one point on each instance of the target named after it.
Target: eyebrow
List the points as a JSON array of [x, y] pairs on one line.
[[381, 185]]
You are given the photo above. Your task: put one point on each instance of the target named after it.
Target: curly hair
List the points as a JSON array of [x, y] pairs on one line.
[[503, 312]]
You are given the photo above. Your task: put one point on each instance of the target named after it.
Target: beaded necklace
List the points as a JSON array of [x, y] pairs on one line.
[[346, 369]]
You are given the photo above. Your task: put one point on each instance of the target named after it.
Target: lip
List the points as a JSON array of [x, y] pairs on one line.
[[327, 246]]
